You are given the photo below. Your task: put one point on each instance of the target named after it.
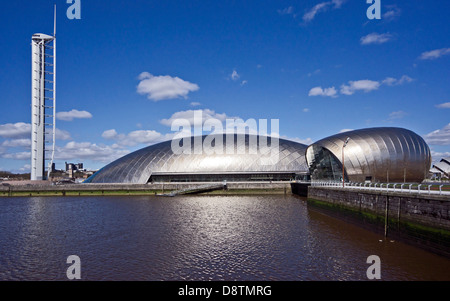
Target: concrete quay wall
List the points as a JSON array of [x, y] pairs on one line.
[[418, 218], [44, 189]]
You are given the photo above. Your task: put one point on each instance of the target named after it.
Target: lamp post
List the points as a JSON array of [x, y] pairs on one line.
[[343, 164]]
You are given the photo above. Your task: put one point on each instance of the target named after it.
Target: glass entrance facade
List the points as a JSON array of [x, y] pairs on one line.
[[323, 165]]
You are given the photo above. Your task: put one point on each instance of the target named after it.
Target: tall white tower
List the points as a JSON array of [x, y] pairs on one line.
[[43, 103]]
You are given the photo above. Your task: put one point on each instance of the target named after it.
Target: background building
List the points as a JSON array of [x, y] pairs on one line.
[[441, 169]]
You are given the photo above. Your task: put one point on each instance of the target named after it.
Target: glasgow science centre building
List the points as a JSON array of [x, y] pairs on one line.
[[383, 154]]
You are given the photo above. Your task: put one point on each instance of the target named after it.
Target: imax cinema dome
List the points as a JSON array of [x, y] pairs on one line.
[[383, 154], [228, 157]]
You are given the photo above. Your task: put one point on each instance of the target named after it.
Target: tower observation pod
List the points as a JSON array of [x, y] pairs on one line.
[[43, 104]]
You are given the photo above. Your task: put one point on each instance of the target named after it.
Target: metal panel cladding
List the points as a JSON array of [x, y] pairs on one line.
[[384, 154], [138, 166]]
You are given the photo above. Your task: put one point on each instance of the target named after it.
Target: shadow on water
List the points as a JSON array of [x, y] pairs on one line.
[[399, 261]]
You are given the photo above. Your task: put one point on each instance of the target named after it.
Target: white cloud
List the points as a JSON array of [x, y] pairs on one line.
[[23, 142], [306, 141], [439, 137], [397, 115], [143, 137], [23, 130], [434, 54], [164, 87], [314, 73], [17, 156], [234, 75], [445, 105], [437, 156], [195, 104], [309, 16], [109, 134], [390, 81], [15, 130], [189, 115], [197, 118], [365, 85], [375, 38], [359, 85], [150, 137], [19, 134], [286, 11], [25, 169], [89, 151], [135, 137], [392, 12], [61, 134], [71, 115], [305, 110], [318, 91], [338, 3], [320, 7]]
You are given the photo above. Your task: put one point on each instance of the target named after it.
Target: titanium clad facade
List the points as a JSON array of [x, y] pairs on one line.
[[374, 154], [257, 157]]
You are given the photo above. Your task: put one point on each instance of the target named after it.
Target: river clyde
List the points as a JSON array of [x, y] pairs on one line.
[[249, 238]]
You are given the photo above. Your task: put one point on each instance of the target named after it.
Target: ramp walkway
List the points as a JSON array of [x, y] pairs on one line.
[[196, 189]]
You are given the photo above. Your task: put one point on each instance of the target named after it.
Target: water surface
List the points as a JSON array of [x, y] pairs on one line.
[[196, 238]]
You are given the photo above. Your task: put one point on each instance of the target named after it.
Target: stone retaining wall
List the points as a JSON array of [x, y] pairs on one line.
[[421, 218]]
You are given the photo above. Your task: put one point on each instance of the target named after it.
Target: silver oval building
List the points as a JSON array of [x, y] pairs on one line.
[[230, 157], [383, 154]]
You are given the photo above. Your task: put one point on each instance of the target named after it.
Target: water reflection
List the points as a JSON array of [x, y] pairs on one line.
[[195, 238]]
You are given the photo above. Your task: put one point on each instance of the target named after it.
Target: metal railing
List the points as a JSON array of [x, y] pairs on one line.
[[390, 187]]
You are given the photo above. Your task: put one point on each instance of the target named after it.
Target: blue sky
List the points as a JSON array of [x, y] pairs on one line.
[[127, 68]]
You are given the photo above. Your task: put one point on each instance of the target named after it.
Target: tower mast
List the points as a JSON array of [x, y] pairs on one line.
[[43, 101]]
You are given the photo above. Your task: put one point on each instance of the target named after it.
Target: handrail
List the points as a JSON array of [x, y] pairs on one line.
[[411, 188]]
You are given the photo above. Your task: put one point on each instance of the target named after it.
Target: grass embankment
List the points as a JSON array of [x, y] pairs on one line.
[[79, 193], [49, 193]]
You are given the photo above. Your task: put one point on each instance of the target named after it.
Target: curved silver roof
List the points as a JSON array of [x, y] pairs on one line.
[[443, 166], [138, 166], [385, 154]]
